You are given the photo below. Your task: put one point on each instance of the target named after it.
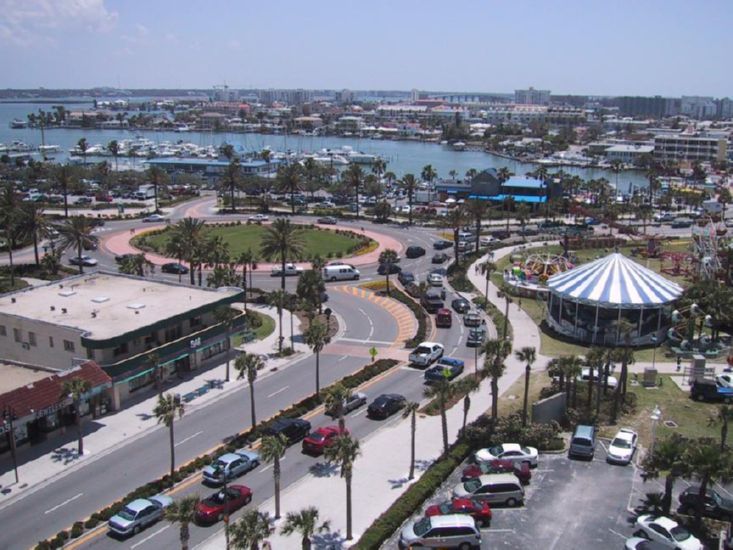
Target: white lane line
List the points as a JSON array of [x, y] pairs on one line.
[[273, 394], [150, 536], [371, 324], [64, 503], [182, 441], [362, 341]]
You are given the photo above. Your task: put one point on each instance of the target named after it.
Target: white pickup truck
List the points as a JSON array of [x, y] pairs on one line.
[[426, 353], [290, 270]]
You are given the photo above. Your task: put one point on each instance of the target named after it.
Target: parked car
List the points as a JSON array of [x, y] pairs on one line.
[[498, 466], [432, 300], [83, 260], [460, 305], [294, 429], [479, 511], [138, 514], [724, 380], [327, 220], [640, 543], [584, 376], [414, 251], [434, 279], [224, 502], [450, 531], [351, 403], [715, 505], [514, 452], [667, 531], [681, 224], [472, 319], [153, 218], [476, 336], [386, 405], [446, 369], [503, 489], [259, 218], [316, 442], [83, 200], [622, 447], [710, 390], [443, 318], [392, 268], [175, 268], [405, 277], [440, 258], [230, 465], [426, 353], [442, 244], [291, 270]]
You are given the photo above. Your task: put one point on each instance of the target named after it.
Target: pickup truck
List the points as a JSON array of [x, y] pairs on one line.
[[710, 390], [432, 300], [290, 270], [426, 353]]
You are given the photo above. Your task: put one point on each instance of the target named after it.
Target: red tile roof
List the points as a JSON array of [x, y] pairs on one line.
[[42, 394]]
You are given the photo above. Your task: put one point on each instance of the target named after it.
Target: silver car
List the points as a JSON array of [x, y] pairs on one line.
[[230, 465], [138, 514], [351, 403]]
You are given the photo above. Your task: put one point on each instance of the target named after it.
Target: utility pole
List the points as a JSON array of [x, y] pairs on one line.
[[8, 418]]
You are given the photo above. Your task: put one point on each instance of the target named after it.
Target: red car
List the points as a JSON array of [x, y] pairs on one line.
[[498, 466], [317, 441], [480, 511], [212, 509]]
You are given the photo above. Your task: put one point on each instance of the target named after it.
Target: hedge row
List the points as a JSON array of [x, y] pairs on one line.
[[418, 311], [239, 440], [495, 314]]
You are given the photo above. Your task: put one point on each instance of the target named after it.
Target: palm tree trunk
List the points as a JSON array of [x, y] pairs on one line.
[[252, 404], [231, 197], [526, 395], [409, 214], [78, 256], [318, 374], [184, 536], [700, 501], [80, 435], [173, 450], [466, 408], [494, 397], [35, 247], [155, 193], [10, 260], [667, 497], [192, 271], [387, 278], [349, 535], [229, 349], [244, 285], [589, 399], [276, 473], [723, 432], [413, 427], [444, 424]]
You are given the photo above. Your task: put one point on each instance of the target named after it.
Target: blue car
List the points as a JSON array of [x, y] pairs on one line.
[[447, 368]]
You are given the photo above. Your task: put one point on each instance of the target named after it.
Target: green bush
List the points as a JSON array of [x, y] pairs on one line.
[[92, 522], [43, 545], [77, 529]]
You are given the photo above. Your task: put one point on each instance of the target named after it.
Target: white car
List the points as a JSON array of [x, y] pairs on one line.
[[84, 260], [640, 543], [434, 279], [622, 447], [584, 376], [290, 270], [153, 218], [426, 353], [259, 218], [724, 380], [667, 531], [508, 451]]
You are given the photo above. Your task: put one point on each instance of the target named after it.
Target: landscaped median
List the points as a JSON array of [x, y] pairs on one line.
[[247, 437], [417, 310]]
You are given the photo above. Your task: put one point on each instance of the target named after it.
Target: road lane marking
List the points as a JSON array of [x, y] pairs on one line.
[[182, 441], [362, 341], [64, 503], [278, 391], [617, 533], [150, 536]]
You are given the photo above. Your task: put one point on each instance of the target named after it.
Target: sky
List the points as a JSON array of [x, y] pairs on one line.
[[615, 47]]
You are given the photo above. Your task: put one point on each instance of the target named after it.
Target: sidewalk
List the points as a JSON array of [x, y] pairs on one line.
[[120, 427]]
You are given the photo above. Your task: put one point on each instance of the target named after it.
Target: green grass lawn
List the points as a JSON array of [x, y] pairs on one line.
[[243, 237]]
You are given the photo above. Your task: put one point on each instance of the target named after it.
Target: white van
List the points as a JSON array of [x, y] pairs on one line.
[[340, 272], [449, 531]]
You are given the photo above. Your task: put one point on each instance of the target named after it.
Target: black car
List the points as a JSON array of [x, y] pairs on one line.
[[442, 245], [681, 224], [175, 268], [460, 305], [385, 405], [393, 268], [714, 505], [440, 258], [405, 277], [294, 429], [414, 251]]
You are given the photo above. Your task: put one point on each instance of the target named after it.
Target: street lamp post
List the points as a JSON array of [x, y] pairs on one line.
[[8, 417], [654, 417]]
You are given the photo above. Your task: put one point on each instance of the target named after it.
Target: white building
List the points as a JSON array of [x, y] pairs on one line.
[[628, 154], [690, 147], [532, 97]]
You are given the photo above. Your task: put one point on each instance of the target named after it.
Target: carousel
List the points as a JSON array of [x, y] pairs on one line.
[[529, 277], [588, 303]]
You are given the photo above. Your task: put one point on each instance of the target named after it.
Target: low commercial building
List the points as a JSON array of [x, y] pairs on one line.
[[628, 154], [690, 147], [134, 329], [213, 167]]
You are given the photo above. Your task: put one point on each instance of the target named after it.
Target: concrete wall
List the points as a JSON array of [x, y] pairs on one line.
[[40, 343], [549, 409]]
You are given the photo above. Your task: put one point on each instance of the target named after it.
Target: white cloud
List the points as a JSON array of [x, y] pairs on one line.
[[26, 22]]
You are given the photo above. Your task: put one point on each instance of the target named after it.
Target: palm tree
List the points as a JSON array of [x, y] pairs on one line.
[[486, 269], [388, 258], [723, 416], [456, 220], [183, 512], [231, 181], [272, 449], [76, 232], [114, 148], [316, 337], [82, 145], [63, 177], [226, 315], [495, 352], [10, 222], [523, 215], [136, 264], [594, 360], [176, 247], [168, 406], [189, 232], [157, 178], [477, 209], [248, 364], [442, 390], [304, 522], [409, 184], [248, 261], [428, 173], [508, 207], [625, 330], [33, 225], [344, 452], [353, 177], [503, 174], [527, 355], [282, 241], [277, 299], [334, 398], [250, 530], [471, 173], [76, 390], [705, 461], [289, 180], [668, 457], [410, 410]]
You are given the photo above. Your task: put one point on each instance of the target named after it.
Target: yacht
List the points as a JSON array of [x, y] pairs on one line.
[[18, 124], [459, 146]]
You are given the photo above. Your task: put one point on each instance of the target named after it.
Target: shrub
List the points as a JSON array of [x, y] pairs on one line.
[[92, 522], [77, 529]]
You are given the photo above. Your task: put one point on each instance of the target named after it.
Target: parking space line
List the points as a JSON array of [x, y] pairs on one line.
[[150, 536]]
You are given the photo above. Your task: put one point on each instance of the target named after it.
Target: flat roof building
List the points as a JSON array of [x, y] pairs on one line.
[[690, 147]]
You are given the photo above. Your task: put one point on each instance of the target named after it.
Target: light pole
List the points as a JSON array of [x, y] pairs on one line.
[[654, 417], [654, 350], [8, 417]]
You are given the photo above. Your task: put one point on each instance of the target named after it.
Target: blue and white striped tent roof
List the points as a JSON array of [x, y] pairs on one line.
[[616, 281]]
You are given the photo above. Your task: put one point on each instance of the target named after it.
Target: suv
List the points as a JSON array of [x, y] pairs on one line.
[[449, 531], [714, 505], [294, 429], [710, 390], [492, 488], [414, 251], [426, 353]]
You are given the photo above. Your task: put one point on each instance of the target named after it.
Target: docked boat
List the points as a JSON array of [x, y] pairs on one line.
[[18, 124], [47, 149], [459, 146]]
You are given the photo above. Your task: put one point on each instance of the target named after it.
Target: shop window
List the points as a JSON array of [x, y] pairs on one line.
[[3, 331], [32, 339], [16, 335], [120, 350], [140, 381], [68, 346]]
